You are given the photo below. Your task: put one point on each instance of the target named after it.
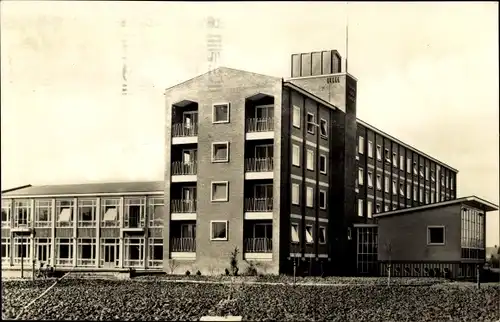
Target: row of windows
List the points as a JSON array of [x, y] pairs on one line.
[[310, 122], [135, 212], [309, 196], [445, 179], [472, 235], [295, 236], [86, 254], [310, 160]]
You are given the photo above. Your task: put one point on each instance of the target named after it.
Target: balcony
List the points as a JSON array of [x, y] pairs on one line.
[[259, 128], [184, 133], [183, 209], [184, 171], [258, 248], [258, 208], [259, 168], [183, 248]]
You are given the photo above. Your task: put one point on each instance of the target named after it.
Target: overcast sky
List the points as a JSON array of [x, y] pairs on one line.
[[427, 74]]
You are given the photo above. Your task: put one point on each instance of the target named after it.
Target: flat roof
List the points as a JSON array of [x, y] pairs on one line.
[[101, 188], [471, 201]]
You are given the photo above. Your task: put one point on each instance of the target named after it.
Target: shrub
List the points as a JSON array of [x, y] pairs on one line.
[[188, 273], [198, 273]]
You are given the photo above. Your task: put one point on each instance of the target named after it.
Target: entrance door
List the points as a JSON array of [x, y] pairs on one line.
[[111, 255], [43, 253]]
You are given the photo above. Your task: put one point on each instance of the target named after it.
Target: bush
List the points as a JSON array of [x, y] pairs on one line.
[[188, 273], [198, 273]]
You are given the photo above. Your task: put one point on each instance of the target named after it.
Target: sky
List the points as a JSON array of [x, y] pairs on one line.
[[427, 74]]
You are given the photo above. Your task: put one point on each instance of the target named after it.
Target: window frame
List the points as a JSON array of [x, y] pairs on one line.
[[361, 144], [401, 163], [370, 149], [309, 197], [360, 207], [370, 179], [322, 192], [379, 152], [214, 144], [296, 121], [429, 243], [369, 208], [152, 243], [226, 183], [325, 123], [386, 184], [38, 206], [361, 174], [111, 203], [226, 222], [394, 159], [127, 242], [323, 161], [214, 121], [296, 187], [311, 232], [312, 123], [7, 208], [71, 254], [379, 182], [93, 250], [295, 148], [58, 212], [127, 203], [296, 226], [153, 222], [310, 157], [320, 230], [87, 223], [387, 155]]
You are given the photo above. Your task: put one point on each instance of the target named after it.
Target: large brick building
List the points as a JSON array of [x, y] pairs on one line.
[[281, 169]]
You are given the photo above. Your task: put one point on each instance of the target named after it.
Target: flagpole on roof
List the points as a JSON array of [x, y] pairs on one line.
[[347, 37]]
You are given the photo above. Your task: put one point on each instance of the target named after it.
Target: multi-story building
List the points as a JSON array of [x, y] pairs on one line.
[[280, 169]]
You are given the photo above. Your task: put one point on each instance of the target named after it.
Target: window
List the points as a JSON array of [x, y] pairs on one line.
[[296, 155], [309, 234], [369, 209], [370, 149], [360, 176], [43, 213], [155, 212], [370, 179], [427, 197], [415, 193], [309, 197], [435, 235], [402, 188], [379, 182], [22, 213], [64, 251], [22, 250], [310, 123], [386, 207], [322, 199], [361, 145], [322, 235], [295, 233], [394, 187], [415, 172], [421, 195], [433, 177], [356, 185], [442, 180], [6, 250], [451, 183], [64, 213], [360, 207], [218, 230], [408, 165], [42, 250], [386, 184], [367, 248], [220, 152], [220, 113], [86, 252], [323, 128], [134, 252], [322, 164], [110, 252], [295, 193], [155, 252], [402, 163], [426, 173], [220, 191], [110, 212], [387, 156], [86, 213], [379, 152], [310, 159], [394, 159], [408, 191], [134, 213], [432, 197], [296, 116], [421, 170], [447, 182], [378, 208], [6, 209]]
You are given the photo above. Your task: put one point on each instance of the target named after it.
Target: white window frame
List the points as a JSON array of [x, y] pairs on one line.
[[426, 197], [322, 163], [322, 206], [421, 170], [429, 236], [133, 241], [134, 201], [360, 176], [22, 208], [7, 209], [117, 251], [394, 187], [82, 203], [325, 123], [223, 143], [408, 165], [152, 243], [226, 183], [426, 173], [309, 197], [310, 124], [295, 155], [8, 249], [295, 194], [451, 183], [361, 144], [415, 192], [43, 242], [415, 168], [360, 207], [370, 149], [296, 116], [294, 230], [212, 222], [387, 155], [310, 160], [154, 202], [401, 163], [59, 210], [432, 197], [379, 182], [408, 191], [447, 180], [309, 232], [379, 152], [86, 262], [68, 241], [43, 204], [402, 188], [26, 242], [421, 195], [386, 184], [214, 121], [394, 159], [433, 175], [369, 209], [110, 203], [370, 179], [322, 232]]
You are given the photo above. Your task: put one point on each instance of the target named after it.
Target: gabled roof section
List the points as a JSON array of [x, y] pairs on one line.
[[471, 201], [220, 69], [102, 188]]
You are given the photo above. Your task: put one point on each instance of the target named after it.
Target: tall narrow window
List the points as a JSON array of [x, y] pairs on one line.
[[402, 163], [310, 159], [369, 209], [295, 155], [360, 176], [295, 233], [379, 182], [324, 128], [379, 152], [311, 124], [386, 184], [361, 145], [6, 211], [370, 149], [43, 213], [322, 199], [360, 207], [155, 252], [86, 213], [309, 197], [322, 164], [135, 211], [370, 179], [296, 116], [64, 213], [309, 234], [295, 193]]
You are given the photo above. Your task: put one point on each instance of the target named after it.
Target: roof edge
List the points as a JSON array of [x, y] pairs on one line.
[[310, 95], [16, 188]]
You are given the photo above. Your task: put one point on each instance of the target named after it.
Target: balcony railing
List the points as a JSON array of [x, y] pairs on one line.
[[183, 244], [183, 206], [258, 245], [22, 223], [259, 164], [87, 224], [258, 204], [184, 168], [41, 224], [184, 129], [265, 124], [133, 222]]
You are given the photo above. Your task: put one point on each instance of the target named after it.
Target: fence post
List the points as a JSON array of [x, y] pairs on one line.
[[477, 276]]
